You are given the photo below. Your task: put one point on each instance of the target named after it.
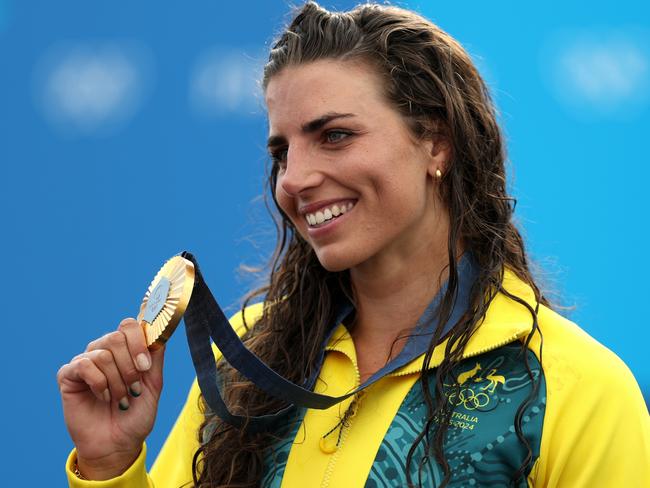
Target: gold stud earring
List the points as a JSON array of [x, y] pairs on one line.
[[438, 173]]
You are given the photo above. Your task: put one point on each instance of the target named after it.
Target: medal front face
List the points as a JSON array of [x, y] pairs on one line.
[[165, 301]]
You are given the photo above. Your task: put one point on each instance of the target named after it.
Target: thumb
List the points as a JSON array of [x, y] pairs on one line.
[[157, 360]]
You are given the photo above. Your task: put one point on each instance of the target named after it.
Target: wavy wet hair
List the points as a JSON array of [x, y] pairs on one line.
[[431, 81]]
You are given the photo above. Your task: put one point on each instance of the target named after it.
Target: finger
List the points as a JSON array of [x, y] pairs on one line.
[[105, 361], [94, 378], [156, 371], [116, 342], [84, 371], [137, 343]]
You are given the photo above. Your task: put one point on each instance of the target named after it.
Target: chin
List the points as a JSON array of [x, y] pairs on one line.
[[335, 261]]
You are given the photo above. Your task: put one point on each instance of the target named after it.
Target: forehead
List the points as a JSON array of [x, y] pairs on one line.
[[300, 93]]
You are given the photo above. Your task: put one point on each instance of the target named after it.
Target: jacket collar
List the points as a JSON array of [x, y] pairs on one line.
[[505, 321]]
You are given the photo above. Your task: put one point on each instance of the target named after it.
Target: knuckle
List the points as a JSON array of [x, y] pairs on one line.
[[135, 338], [104, 357], [134, 335], [84, 364], [127, 323], [98, 383], [116, 339], [61, 373]]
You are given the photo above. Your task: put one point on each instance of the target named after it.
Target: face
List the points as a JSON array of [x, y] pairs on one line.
[[351, 177]]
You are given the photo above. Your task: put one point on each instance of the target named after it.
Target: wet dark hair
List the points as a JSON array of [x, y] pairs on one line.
[[432, 82]]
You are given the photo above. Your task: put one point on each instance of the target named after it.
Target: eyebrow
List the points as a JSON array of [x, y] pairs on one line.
[[310, 127]]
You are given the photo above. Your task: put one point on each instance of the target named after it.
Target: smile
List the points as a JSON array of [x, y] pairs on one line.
[[327, 214]]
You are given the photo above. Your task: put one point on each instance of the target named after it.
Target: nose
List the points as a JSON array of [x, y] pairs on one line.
[[300, 173]]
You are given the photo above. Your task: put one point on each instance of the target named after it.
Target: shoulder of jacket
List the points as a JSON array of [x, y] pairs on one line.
[[595, 412], [251, 314], [572, 356]]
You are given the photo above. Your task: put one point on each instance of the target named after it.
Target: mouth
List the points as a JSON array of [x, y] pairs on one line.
[[328, 214]]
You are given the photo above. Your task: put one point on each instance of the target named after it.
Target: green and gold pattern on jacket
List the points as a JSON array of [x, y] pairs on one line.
[[482, 447]]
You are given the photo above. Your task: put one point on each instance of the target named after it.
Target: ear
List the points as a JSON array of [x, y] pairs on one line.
[[439, 155]]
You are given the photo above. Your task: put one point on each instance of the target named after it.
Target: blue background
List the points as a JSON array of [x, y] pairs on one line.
[[131, 130]]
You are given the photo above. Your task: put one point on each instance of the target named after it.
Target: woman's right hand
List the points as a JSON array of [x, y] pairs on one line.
[[110, 398]]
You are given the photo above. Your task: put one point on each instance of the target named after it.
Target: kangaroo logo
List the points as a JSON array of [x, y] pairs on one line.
[[471, 396], [493, 380], [467, 375]]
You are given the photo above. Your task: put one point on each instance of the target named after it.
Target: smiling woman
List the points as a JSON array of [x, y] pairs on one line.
[[399, 283], [387, 191]]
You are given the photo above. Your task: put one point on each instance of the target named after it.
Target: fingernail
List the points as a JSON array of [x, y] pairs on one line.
[[124, 404], [142, 361], [135, 389], [107, 395]]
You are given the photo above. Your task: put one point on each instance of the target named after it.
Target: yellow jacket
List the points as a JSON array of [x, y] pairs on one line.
[[588, 427]]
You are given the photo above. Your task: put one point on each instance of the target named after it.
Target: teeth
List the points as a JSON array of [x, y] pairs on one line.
[[328, 213]]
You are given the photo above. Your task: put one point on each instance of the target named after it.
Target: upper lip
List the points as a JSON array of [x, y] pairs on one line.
[[313, 207]]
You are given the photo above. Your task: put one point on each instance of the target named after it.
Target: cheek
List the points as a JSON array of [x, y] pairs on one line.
[[399, 192], [287, 205], [283, 200], [393, 172]]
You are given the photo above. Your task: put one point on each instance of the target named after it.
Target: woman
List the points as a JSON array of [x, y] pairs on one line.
[[388, 172]]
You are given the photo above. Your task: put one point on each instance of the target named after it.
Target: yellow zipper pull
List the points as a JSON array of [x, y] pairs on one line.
[[327, 447], [330, 447]]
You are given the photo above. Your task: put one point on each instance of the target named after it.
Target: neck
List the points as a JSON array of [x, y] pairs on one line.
[[391, 298], [393, 290]]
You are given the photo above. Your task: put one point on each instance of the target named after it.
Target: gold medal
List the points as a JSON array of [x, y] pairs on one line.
[[166, 299]]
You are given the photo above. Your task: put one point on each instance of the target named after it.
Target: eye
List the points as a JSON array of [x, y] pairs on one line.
[[279, 157], [334, 136]]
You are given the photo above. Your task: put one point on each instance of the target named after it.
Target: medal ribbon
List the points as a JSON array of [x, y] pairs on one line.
[[204, 320]]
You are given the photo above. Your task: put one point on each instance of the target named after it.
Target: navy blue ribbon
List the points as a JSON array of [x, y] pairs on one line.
[[204, 320]]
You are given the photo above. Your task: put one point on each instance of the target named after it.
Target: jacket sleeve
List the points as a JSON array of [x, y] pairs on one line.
[[596, 428], [135, 476], [173, 466]]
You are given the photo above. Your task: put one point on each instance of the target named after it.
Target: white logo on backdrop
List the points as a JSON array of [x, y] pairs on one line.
[[92, 88], [600, 72], [226, 82]]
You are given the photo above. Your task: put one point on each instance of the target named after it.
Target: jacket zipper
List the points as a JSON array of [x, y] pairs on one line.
[[345, 429]]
